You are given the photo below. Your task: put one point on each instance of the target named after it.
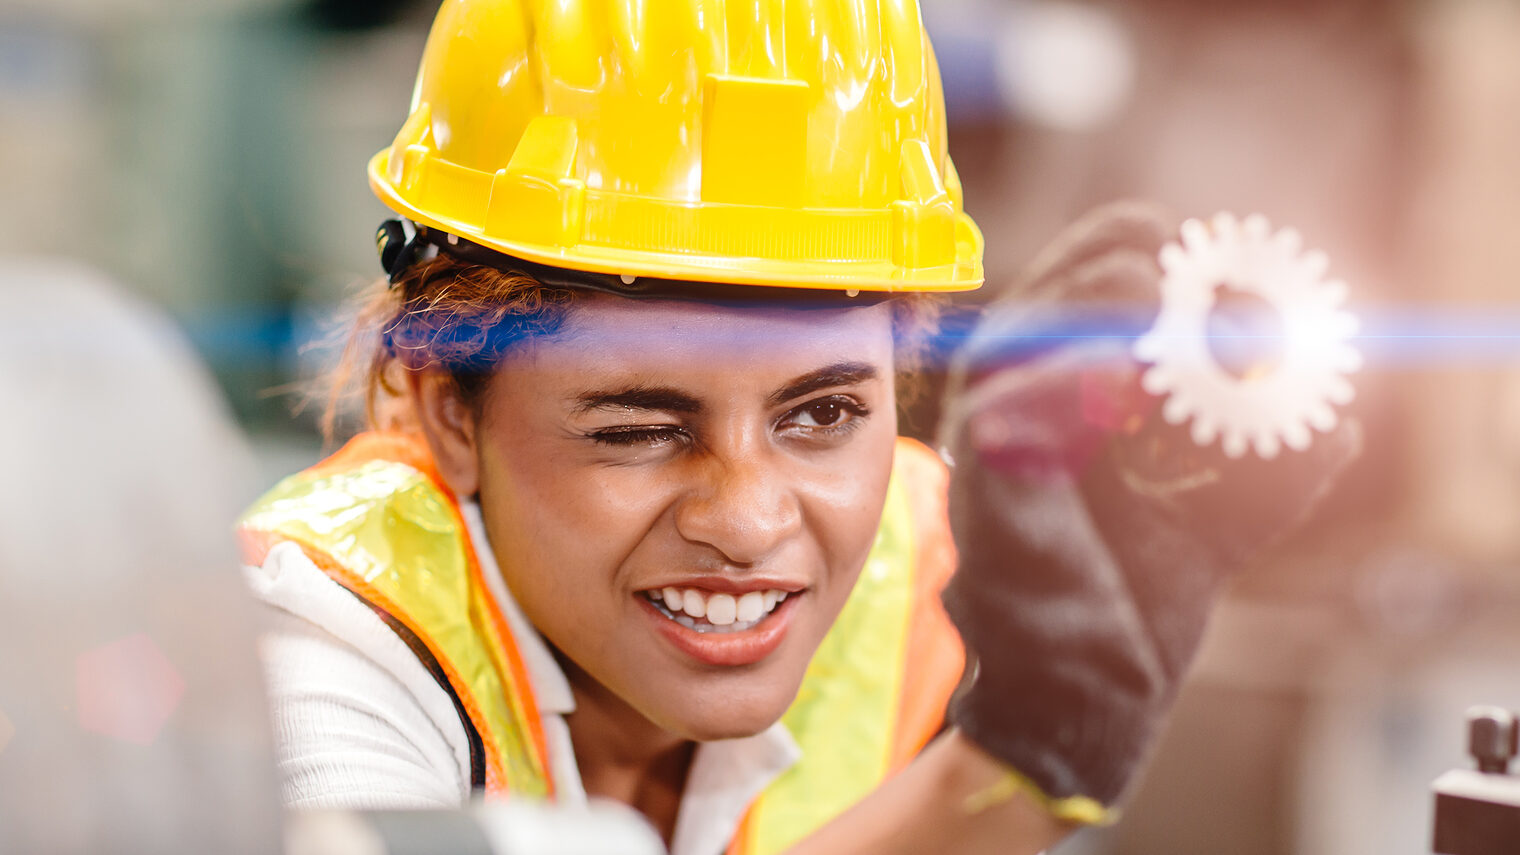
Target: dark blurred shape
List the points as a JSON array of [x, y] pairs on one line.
[[349, 15], [1478, 812]]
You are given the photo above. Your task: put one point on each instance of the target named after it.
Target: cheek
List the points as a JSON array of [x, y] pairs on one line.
[[843, 513], [560, 537]]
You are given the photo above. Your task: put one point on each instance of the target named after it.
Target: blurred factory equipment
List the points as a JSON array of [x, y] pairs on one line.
[[132, 715], [1477, 811]]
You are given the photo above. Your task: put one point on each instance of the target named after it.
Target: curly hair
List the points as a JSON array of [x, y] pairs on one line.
[[464, 318]]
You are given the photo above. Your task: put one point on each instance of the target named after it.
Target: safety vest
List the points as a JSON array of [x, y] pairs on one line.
[[378, 520]]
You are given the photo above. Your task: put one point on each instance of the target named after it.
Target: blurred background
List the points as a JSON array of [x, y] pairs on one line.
[[207, 156]]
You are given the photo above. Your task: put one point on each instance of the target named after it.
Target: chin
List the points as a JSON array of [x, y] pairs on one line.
[[732, 717], [726, 728]]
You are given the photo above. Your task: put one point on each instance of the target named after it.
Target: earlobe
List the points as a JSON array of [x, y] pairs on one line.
[[450, 430]]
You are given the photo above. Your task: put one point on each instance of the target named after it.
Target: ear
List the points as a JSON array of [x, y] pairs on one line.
[[450, 430]]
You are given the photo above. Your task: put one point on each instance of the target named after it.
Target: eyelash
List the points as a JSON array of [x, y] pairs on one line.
[[642, 435], [639, 435]]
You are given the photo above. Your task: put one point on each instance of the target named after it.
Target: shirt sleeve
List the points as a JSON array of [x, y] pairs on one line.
[[358, 721]]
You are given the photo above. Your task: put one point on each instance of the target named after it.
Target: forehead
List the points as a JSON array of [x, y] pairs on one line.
[[604, 333]]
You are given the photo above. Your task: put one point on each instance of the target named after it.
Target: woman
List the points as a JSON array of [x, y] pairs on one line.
[[654, 537]]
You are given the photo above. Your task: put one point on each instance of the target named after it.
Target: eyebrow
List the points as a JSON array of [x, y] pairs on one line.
[[838, 374], [661, 398], [670, 400]]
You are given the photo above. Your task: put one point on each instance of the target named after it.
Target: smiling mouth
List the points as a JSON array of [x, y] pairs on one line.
[[715, 613]]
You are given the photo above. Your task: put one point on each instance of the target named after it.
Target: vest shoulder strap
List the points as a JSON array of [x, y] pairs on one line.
[[377, 520]]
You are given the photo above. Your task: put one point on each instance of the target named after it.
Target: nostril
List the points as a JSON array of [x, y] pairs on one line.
[[744, 513]]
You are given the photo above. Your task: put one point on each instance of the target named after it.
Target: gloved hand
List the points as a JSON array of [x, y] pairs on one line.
[[1093, 536]]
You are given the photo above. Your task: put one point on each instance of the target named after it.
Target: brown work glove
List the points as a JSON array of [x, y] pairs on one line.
[[1093, 536]]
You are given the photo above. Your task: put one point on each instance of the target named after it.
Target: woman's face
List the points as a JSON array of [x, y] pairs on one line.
[[681, 496]]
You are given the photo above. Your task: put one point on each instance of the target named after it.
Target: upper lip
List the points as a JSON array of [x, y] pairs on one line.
[[730, 585]]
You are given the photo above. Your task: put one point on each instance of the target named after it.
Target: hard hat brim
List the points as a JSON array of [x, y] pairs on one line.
[[965, 274]]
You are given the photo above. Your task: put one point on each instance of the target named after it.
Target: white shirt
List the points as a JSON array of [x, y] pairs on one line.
[[361, 724]]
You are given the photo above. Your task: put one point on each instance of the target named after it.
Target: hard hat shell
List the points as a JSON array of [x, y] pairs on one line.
[[758, 142]]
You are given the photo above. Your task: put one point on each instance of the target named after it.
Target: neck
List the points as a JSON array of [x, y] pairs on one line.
[[624, 756]]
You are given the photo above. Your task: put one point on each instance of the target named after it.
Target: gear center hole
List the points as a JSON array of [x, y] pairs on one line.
[[1246, 334]]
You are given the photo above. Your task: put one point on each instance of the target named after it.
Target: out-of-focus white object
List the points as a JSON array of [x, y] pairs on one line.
[[1267, 412], [602, 828], [517, 827], [132, 716], [1056, 64], [1064, 65]]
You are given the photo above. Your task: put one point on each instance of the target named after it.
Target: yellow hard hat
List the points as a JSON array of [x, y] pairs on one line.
[[756, 142]]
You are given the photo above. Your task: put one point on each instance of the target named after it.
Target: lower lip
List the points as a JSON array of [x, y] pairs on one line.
[[728, 648]]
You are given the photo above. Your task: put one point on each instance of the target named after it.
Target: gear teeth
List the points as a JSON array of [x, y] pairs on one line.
[[1288, 242], [1267, 445], [1344, 325], [1314, 265], [1176, 409], [1348, 360], [1155, 382], [1234, 445], [1204, 431], [1264, 415], [1335, 292], [1297, 437], [1173, 257], [1257, 228], [1340, 391], [1195, 236], [1322, 417]]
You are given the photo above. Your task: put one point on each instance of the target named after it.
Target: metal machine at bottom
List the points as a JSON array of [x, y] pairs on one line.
[[1478, 810]]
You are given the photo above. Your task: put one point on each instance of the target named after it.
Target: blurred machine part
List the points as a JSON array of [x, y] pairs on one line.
[[1478, 810], [511, 828], [132, 716]]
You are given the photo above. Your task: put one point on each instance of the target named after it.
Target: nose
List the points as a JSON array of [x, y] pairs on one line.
[[743, 507]]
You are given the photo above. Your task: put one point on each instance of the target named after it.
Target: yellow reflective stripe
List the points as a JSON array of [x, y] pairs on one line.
[[1082, 810], [844, 715], [390, 527]]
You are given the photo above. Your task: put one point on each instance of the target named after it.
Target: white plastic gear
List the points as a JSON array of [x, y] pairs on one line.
[[1262, 413]]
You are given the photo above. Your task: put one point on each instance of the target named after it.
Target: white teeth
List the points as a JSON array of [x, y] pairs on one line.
[[751, 606], [706, 612], [721, 609]]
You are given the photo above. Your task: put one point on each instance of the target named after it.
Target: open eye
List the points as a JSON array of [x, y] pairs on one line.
[[821, 414], [834, 413]]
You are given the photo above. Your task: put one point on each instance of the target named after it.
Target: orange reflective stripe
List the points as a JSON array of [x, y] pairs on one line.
[[524, 702], [394, 446], [935, 656]]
